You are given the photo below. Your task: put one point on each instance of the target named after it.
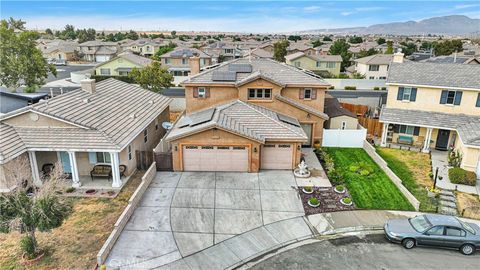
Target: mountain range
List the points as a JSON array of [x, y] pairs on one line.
[[445, 25]]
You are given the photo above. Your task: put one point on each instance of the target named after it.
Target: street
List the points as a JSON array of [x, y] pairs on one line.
[[367, 252]]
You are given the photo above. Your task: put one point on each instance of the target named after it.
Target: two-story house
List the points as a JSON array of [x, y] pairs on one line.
[[98, 51], [144, 46], [122, 64], [247, 115], [178, 62], [373, 67], [322, 64], [433, 105]]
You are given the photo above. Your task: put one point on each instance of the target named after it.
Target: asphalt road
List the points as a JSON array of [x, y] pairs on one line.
[[63, 72], [367, 252]]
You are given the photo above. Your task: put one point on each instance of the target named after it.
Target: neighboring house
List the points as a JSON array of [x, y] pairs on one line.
[[373, 66], [122, 64], [339, 117], [144, 47], [453, 59], [58, 49], [247, 115], [329, 64], [222, 51], [12, 101], [98, 51], [436, 106], [100, 124], [178, 62], [258, 53]]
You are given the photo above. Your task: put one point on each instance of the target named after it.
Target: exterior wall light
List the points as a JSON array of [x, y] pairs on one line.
[[255, 149], [176, 148]]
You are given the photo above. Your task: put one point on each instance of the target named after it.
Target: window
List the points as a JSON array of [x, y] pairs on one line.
[[259, 93], [202, 92], [105, 71], [451, 97], [382, 78], [228, 50], [184, 61], [307, 93], [179, 73], [344, 125], [478, 101], [167, 60], [202, 62], [145, 135], [437, 230], [373, 68], [319, 64], [371, 77], [123, 73], [409, 130], [130, 152], [148, 48], [407, 94], [103, 157], [407, 91], [450, 231], [331, 64]]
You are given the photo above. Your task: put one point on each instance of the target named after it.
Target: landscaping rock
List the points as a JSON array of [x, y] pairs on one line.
[[448, 204], [447, 193], [447, 198], [448, 211]]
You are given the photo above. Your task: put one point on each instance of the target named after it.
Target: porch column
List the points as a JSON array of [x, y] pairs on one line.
[[384, 134], [428, 138], [116, 181], [34, 167], [74, 168]]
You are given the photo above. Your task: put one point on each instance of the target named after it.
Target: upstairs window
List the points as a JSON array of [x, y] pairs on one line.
[[307, 93], [319, 64], [373, 68], [167, 60], [297, 64], [451, 97], [407, 94], [331, 64], [202, 92], [184, 61], [130, 152], [478, 100], [259, 93]]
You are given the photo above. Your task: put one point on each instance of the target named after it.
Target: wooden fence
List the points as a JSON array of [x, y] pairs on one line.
[[144, 159], [373, 126], [358, 110]]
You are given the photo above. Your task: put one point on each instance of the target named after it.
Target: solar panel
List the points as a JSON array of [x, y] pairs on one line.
[[288, 120], [202, 117], [228, 76], [184, 122], [182, 52], [242, 68]]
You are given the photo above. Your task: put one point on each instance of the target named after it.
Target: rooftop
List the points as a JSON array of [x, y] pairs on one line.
[[376, 59]]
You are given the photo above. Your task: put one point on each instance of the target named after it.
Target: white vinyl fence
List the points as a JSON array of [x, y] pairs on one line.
[[344, 138]]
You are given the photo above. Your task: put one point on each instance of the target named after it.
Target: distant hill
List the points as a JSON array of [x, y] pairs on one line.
[[446, 25]]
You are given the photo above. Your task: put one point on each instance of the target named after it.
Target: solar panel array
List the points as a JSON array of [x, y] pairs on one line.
[[242, 68], [196, 118], [229, 76], [182, 52], [288, 120], [448, 59]]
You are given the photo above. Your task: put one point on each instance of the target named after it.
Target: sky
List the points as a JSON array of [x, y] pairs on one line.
[[229, 16]]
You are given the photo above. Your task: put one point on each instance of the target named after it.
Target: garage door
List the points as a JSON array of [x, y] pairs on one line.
[[277, 156], [102, 58], [215, 158]]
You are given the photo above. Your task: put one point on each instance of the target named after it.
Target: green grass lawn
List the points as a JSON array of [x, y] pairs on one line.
[[413, 169], [374, 191]]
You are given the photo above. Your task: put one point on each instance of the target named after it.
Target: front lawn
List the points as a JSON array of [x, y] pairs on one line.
[[75, 244], [413, 168], [372, 191]]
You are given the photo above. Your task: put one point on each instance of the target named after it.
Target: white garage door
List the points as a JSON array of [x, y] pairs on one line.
[[277, 156], [102, 58], [215, 158]]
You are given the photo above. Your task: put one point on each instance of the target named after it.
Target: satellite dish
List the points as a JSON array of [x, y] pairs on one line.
[[167, 125]]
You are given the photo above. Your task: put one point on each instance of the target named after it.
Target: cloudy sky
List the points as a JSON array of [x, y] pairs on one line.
[[235, 16]]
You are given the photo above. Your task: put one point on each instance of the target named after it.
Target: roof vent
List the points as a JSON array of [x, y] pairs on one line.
[[151, 102], [133, 116], [86, 100]]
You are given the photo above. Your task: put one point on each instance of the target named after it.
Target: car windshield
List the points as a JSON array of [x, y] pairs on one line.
[[420, 223], [467, 227]]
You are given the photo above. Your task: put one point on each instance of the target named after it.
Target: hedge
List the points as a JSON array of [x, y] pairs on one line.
[[461, 176]]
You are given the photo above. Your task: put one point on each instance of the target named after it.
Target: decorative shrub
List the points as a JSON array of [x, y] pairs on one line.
[[340, 188], [376, 88], [364, 172], [314, 201], [384, 88], [461, 176], [430, 174], [27, 244], [335, 177], [361, 168], [454, 158], [347, 200], [350, 88], [308, 189], [331, 87]]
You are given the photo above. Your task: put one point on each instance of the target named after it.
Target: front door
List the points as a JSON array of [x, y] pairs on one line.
[[307, 128], [442, 139], [65, 159]]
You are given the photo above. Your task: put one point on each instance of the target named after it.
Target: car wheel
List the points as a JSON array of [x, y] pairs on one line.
[[467, 249], [408, 243]]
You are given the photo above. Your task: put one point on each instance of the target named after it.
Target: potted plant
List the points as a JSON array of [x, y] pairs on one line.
[[346, 201], [307, 190], [313, 202], [316, 144], [339, 189]]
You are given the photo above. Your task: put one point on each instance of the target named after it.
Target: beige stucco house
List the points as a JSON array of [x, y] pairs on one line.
[[433, 105], [178, 62], [122, 64], [373, 67], [103, 123], [247, 115], [330, 64], [145, 46]]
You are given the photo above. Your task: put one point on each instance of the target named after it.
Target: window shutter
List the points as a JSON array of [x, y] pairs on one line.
[[400, 93], [92, 157], [478, 100], [195, 92], [413, 94], [443, 98], [314, 93], [458, 98], [207, 92], [416, 131], [301, 93]]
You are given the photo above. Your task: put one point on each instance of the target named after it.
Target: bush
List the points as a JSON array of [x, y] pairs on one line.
[[335, 177], [350, 88], [376, 88], [461, 176], [454, 158], [314, 201], [361, 168], [331, 87], [347, 200], [340, 188], [308, 189], [70, 190], [384, 88], [27, 244]]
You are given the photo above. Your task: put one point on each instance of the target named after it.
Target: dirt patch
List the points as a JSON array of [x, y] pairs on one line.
[[328, 198], [418, 163], [77, 242], [469, 205]]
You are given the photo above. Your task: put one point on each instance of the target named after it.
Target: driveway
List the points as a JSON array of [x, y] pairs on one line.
[[183, 213]]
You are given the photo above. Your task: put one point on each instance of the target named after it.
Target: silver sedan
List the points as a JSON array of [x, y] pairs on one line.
[[434, 230]]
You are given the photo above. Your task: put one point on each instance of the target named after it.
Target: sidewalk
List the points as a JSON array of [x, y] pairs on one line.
[[240, 249], [319, 177]]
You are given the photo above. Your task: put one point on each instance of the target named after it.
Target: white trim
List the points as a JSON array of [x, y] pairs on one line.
[[46, 115], [34, 168], [71, 149], [433, 86], [73, 164]]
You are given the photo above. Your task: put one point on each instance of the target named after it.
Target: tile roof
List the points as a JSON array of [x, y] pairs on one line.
[[259, 52], [281, 73], [301, 106], [324, 58], [136, 59], [185, 52], [109, 119], [467, 126], [334, 109], [434, 74], [376, 59], [245, 119], [11, 146]]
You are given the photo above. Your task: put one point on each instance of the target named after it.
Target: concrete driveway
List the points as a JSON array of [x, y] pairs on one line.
[[183, 213]]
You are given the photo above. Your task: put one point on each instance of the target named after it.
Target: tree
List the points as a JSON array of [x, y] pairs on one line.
[[131, 35], [152, 77], [381, 41], [48, 31], [68, 32], [294, 38], [327, 38], [355, 40], [221, 58], [340, 47], [173, 33], [408, 48], [29, 208], [316, 43], [447, 47], [163, 50], [364, 53], [389, 47], [16, 24], [21, 62], [280, 50]]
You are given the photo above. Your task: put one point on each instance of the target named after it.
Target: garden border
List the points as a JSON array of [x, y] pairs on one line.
[[126, 214], [395, 179]]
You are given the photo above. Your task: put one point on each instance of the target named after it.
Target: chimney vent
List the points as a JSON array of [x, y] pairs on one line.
[[88, 85], [194, 64], [398, 57]]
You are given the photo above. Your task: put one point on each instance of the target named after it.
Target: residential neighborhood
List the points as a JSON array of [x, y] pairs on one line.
[[183, 135]]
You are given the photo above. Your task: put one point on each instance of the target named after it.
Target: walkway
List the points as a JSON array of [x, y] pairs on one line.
[[318, 176], [440, 161]]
